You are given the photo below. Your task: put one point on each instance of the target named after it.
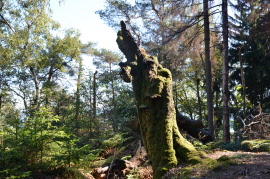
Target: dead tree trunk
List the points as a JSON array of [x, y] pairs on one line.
[[152, 86]]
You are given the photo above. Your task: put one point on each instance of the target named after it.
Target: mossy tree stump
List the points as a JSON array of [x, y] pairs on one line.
[[152, 86]]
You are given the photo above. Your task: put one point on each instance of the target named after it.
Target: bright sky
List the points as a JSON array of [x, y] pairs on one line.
[[80, 14]]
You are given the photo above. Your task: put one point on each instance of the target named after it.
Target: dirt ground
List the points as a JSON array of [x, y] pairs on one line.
[[250, 165]]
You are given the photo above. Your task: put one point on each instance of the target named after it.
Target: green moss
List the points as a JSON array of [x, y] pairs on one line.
[[264, 147], [119, 33], [120, 40], [256, 145], [202, 168], [165, 73], [223, 158], [157, 124], [185, 172]]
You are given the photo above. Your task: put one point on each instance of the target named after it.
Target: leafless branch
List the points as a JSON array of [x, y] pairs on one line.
[[7, 23]]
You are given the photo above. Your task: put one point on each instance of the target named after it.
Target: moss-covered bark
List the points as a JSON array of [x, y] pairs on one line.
[[152, 85]]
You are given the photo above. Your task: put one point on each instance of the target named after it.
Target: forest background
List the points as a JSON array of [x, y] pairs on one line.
[[48, 121]]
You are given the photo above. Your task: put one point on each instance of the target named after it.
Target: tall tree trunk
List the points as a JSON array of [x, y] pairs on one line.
[[225, 76], [112, 112], [152, 86], [50, 75], [243, 81], [95, 101], [91, 122], [90, 113], [78, 95], [208, 70]]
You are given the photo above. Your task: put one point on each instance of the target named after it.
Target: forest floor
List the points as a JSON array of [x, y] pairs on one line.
[[246, 165], [249, 165]]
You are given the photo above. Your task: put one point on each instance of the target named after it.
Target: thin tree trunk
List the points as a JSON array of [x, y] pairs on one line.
[[47, 98], [199, 99], [90, 104], [95, 101], [113, 101], [243, 81], [225, 76], [78, 95], [208, 70]]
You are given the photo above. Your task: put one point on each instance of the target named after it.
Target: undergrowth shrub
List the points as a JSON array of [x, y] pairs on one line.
[[15, 172], [114, 141], [109, 149]]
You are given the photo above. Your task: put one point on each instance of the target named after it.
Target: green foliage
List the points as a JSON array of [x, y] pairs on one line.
[[114, 141], [250, 42], [36, 145], [12, 173], [87, 155]]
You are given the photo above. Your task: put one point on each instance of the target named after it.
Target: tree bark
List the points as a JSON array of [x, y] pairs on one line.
[[208, 70], [152, 87], [225, 71]]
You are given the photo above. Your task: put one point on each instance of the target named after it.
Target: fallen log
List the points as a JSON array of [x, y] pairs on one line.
[[193, 128]]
